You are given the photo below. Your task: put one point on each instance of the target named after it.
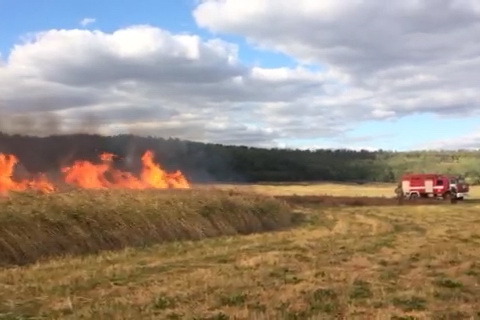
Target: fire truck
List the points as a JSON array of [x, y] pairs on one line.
[[443, 186]]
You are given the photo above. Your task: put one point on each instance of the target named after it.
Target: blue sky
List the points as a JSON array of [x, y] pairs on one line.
[[413, 132], [416, 130], [22, 17]]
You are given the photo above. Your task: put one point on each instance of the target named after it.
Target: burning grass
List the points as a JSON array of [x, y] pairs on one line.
[[34, 227], [90, 175]]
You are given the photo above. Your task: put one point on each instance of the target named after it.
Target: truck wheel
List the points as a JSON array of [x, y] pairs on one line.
[[413, 196], [451, 197]]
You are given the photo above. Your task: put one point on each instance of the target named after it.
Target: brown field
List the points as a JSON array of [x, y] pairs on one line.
[[378, 190], [308, 189], [339, 261]]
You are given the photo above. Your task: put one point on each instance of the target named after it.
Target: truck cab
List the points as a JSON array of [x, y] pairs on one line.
[[459, 184]]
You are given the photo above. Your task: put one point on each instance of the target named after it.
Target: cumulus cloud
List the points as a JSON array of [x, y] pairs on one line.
[[404, 56], [378, 60], [86, 21], [466, 142], [145, 80]]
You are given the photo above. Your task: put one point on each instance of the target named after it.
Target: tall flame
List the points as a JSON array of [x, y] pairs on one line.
[[87, 175], [154, 176], [7, 166]]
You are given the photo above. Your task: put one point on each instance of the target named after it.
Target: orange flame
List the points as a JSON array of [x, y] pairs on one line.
[[88, 175], [41, 184], [155, 177], [7, 166]]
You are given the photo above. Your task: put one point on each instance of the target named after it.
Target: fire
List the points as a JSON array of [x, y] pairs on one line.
[[7, 166], [88, 175], [154, 176], [41, 184]]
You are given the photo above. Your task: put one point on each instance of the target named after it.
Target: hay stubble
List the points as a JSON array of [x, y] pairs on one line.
[[367, 262]]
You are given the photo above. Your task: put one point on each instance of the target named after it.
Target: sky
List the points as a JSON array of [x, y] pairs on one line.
[[393, 75]]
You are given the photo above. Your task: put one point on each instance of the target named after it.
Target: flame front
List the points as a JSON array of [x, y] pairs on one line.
[[155, 177], [88, 175], [7, 166], [40, 183]]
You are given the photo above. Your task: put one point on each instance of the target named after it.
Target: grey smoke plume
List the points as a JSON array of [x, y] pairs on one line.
[[48, 123]]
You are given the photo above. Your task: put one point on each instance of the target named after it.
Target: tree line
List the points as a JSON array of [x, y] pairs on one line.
[[207, 162]]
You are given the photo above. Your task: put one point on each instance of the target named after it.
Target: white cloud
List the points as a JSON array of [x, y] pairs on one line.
[[403, 56], [146, 80], [379, 60], [313, 147], [86, 21], [466, 142]]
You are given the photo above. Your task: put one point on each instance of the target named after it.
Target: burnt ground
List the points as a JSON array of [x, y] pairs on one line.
[[338, 201]]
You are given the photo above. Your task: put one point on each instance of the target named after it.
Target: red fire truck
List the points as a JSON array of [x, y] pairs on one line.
[[432, 185]]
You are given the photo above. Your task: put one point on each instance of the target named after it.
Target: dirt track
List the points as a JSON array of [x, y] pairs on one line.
[[334, 201]]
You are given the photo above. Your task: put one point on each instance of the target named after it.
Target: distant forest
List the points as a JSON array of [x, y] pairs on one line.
[[202, 162]]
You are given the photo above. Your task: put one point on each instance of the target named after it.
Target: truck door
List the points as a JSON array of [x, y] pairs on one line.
[[440, 186], [429, 186]]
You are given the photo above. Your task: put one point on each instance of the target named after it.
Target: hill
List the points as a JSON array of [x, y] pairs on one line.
[[203, 162]]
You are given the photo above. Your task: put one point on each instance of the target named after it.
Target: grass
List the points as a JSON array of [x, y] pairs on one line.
[[325, 189], [82, 222], [308, 189], [367, 262]]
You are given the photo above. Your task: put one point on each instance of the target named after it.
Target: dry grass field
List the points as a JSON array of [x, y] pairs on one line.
[[308, 189], [324, 189], [34, 227], [350, 262]]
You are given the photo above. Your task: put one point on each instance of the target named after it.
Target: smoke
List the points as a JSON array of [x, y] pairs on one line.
[[2, 123], [30, 124], [200, 162], [90, 124], [48, 123]]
